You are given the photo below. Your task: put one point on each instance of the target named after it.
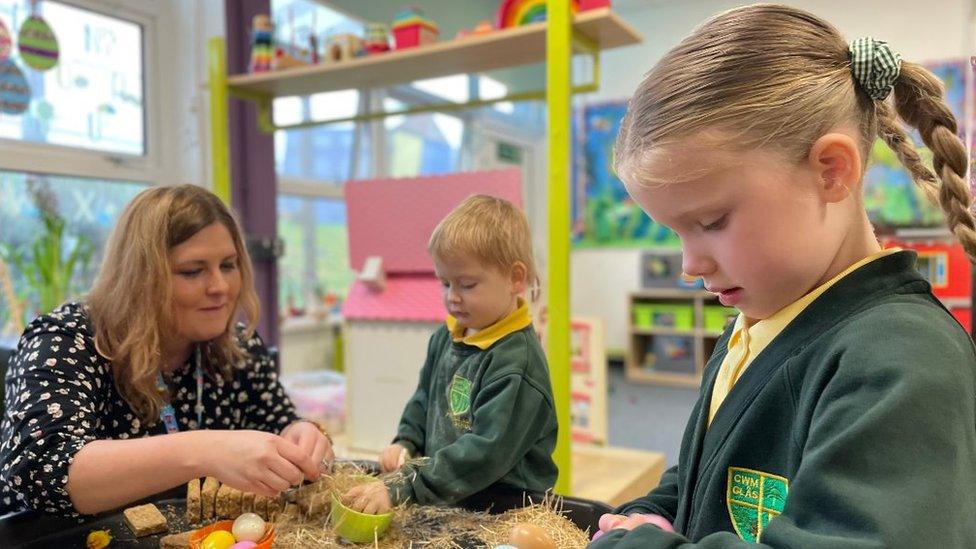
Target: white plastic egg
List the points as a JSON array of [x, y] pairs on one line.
[[248, 527]]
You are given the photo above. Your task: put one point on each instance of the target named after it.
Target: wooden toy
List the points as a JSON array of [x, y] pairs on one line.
[[344, 47], [377, 38]]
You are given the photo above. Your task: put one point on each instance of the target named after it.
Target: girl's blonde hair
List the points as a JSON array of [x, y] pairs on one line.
[[129, 304], [492, 230], [776, 76]]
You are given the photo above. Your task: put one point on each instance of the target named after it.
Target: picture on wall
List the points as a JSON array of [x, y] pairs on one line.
[[890, 196], [605, 216]]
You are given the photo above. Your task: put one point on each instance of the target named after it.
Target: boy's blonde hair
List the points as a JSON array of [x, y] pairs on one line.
[[490, 229], [776, 76], [130, 302]]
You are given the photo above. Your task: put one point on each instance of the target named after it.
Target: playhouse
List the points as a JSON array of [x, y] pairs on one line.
[[395, 305]]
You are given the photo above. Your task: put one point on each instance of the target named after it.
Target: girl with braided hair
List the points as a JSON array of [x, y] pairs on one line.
[[840, 408]]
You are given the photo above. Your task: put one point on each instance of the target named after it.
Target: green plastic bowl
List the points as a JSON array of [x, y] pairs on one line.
[[355, 526]]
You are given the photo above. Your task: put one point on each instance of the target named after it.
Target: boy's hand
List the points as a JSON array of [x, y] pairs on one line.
[[371, 498], [392, 458], [615, 522]]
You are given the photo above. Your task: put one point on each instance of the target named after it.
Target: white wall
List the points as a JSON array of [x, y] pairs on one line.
[[184, 97], [920, 31]]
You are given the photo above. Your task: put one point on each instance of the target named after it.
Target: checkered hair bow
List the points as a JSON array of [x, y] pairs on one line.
[[875, 66]]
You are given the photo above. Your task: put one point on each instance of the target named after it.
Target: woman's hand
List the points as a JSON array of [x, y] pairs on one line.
[[372, 498], [316, 445], [254, 461], [392, 458]]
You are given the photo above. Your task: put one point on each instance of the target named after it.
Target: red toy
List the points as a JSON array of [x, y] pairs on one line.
[[411, 29]]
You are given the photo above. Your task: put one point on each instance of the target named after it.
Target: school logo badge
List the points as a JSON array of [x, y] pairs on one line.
[[460, 392], [754, 498]]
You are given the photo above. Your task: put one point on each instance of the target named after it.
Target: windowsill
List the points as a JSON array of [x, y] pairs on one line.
[[309, 323]]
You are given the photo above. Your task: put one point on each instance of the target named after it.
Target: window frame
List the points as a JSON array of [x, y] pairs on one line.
[[52, 159]]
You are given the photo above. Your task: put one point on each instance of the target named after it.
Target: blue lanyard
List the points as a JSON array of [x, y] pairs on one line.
[[167, 414]]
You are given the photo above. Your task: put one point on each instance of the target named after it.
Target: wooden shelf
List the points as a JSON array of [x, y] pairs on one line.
[[671, 379], [663, 331], [641, 340], [499, 49], [672, 293], [615, 475]]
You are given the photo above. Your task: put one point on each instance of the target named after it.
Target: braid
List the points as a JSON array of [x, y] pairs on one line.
[[892, 133], [919, 101]]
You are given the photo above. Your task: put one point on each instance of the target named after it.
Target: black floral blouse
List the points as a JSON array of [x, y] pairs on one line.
[[60, 395]]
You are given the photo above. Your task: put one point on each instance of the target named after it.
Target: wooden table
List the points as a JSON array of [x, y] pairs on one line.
[[615, 475], [608, 474]]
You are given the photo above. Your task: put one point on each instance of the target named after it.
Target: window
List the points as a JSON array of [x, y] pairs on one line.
[[88, 208], [316, 262], [312, 164], [85, 122], [421, 144], [93, 97], [322, 153]]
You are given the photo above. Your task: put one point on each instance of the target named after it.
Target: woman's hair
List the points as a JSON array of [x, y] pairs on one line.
[[492, 230], [774, 76], [130, 302]]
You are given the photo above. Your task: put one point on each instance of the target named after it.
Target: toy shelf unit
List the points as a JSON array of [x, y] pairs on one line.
[[672, 333], [509, 47]]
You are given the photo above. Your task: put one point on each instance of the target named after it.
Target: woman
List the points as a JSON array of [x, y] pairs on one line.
[[151, 381]]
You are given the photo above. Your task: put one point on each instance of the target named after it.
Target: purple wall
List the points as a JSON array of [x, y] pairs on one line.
[[252, 171]]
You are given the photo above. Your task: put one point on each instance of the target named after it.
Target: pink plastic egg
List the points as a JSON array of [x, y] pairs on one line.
[[243, 545]]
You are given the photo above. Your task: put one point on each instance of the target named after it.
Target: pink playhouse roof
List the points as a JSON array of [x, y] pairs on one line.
[[406, 298], [393, 218]]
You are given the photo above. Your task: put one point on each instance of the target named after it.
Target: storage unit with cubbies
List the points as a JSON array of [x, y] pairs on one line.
[[672, 333]]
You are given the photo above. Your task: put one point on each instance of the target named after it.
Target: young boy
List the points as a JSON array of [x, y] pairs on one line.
[[483, 410]]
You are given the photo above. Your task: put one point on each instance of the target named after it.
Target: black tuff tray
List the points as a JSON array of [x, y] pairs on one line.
[[32, 530]]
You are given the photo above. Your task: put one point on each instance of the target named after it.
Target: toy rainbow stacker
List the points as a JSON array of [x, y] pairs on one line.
[[411, 28], [262, 47], [514, 13]]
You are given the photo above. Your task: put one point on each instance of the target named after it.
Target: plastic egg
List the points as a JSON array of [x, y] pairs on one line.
[[98, 539], [530, 536], [243, 545], [248, 527], [220, 539]]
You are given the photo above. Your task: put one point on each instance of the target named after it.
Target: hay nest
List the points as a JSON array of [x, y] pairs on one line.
[[417, 526]]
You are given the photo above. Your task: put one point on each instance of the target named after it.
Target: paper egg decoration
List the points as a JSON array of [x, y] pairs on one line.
[[14, 89], [5, 42], [37, 43]]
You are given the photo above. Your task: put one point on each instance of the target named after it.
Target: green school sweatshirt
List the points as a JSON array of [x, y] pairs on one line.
[[484, 417], [854, 428]]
